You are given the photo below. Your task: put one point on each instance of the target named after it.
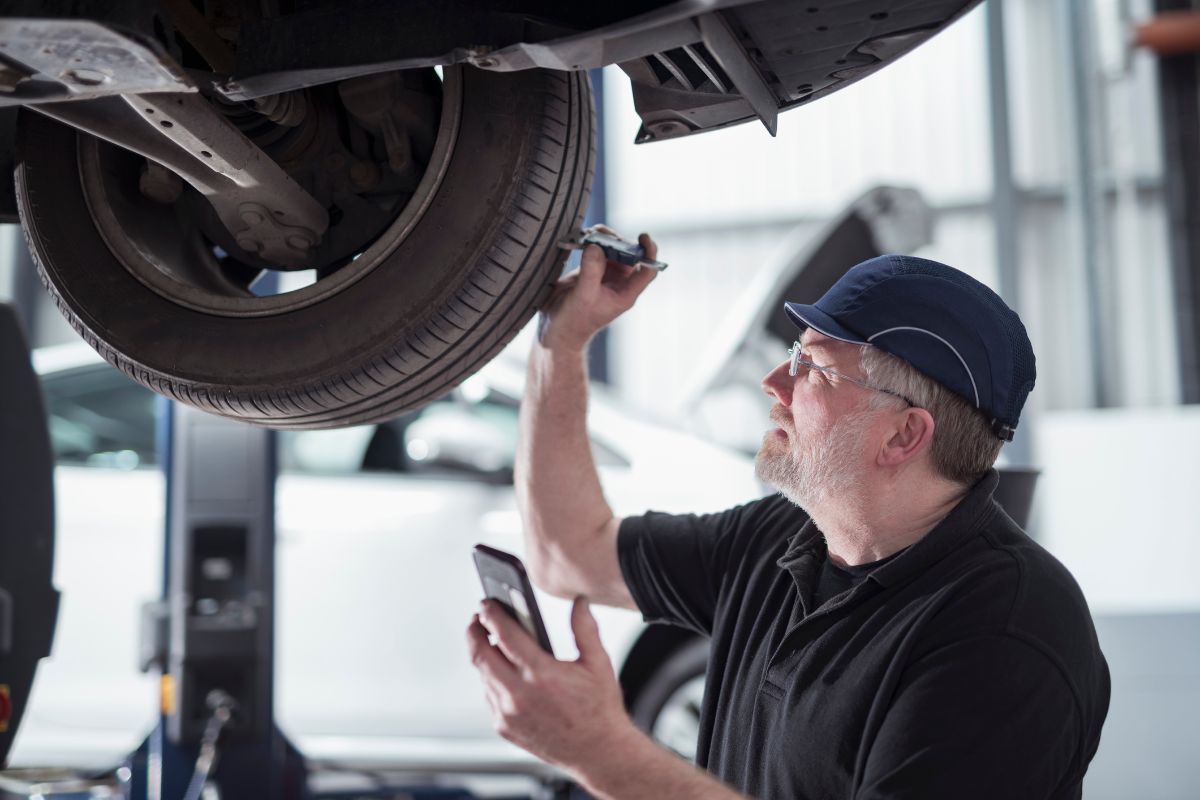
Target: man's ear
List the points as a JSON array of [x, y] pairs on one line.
[[909, 438]]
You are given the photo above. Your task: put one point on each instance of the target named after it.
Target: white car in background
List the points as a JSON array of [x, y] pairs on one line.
[[375, 583]]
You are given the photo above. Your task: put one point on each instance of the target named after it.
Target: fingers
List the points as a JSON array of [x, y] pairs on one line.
[[488, 659], [587, 634], [649, 246], [596, 271], [513, 640], [592, 296], [500, 678], [639, 280], [630, 283], [594, 259]]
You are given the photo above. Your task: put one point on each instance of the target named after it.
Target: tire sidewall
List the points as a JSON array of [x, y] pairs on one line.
[[686, 663], [497, 137]]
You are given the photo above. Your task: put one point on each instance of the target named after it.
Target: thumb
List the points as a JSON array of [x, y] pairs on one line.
[[592, 266], [587, 632]]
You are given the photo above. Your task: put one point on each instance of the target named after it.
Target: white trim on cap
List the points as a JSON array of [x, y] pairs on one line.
[[824, 333], [943, 341]]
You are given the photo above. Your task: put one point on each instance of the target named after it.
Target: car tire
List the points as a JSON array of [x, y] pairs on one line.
[[451, 290], [668, 706]]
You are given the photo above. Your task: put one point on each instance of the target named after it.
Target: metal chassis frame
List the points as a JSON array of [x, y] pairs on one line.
[[263, 68], [267, 212]]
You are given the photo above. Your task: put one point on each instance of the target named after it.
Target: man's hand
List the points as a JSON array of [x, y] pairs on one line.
[[570, 713], [563, 712], [591, 297]]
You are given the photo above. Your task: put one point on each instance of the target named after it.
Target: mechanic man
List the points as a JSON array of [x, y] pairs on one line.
[[880, 628]]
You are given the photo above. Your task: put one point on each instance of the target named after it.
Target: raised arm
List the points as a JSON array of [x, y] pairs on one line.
[[570, 531]]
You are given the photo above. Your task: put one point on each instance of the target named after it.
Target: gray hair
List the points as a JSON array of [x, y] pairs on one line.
[[964, 447]]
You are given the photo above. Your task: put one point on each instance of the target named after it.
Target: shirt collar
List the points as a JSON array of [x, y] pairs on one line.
[[803, 558], [964, 520], [806, 548], [808, 539]]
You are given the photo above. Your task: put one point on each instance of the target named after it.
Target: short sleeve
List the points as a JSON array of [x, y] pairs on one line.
[[987, 717], [675, 564]]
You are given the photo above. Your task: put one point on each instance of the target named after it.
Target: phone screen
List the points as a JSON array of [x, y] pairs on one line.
[[504, 579], [513, 598]]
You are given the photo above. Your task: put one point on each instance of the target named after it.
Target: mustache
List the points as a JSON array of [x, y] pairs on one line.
[[780, 417]]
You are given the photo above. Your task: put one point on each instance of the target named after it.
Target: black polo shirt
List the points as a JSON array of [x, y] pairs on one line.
[[967, 666]]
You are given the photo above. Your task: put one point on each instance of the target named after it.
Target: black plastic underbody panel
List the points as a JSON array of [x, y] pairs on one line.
[[800, 51], [695, 64]]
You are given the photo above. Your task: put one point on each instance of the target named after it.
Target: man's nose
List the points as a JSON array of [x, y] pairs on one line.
[[778, 384]]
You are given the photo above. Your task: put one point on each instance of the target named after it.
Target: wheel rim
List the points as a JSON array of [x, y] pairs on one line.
[[677, 724], [181, 266]]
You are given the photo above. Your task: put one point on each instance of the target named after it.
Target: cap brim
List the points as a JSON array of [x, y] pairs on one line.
[[807, 316]]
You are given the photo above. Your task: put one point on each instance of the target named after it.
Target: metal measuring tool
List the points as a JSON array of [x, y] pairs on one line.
[[615, 248]]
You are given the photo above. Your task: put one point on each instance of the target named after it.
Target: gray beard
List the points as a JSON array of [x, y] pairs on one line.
[[811, 472]]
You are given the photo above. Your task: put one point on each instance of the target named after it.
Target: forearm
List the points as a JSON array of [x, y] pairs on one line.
[[638, 768], [558, 489]]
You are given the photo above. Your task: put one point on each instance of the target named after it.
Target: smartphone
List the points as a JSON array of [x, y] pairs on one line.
[[504, 580]]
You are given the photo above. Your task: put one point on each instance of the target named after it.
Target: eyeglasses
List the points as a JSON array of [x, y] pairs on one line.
[[796, 360]]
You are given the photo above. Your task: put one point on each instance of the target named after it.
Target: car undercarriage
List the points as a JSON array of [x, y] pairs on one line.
[[314, 214]]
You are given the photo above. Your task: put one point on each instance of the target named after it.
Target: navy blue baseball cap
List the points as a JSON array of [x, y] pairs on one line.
[[943, 322]]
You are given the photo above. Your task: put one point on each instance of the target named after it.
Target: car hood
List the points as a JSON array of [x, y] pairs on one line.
[[722, 401]]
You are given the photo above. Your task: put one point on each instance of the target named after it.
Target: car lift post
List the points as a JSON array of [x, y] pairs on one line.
[[212, 637]]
